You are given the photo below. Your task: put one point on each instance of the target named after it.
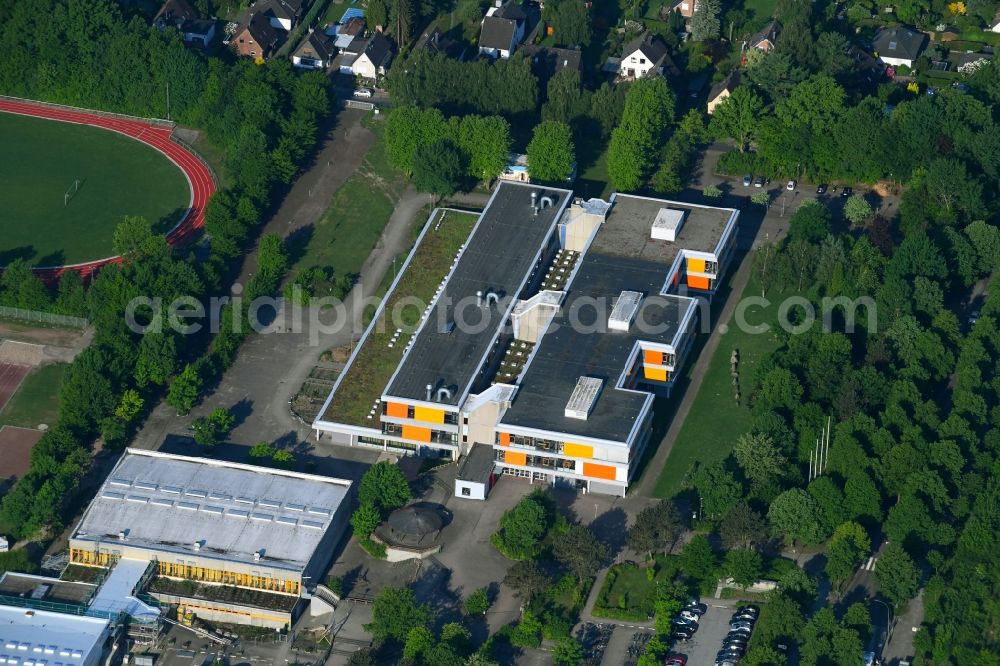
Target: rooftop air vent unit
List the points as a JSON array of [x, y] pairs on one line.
[[624, 311], [256, 556], [582, 400], [667, 224]]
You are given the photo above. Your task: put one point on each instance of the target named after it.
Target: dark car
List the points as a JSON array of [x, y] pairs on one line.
[[743, 616], [681, 636], [736, 637], [846, 192], [821, 189], [750, 608], [728, 655], [698, 608]]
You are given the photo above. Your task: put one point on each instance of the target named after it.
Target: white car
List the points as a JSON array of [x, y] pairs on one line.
[[689, 616], [365, 93], [790, 186]]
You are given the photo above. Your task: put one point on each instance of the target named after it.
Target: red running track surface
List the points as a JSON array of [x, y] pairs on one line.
[[10, 379], [198, 174]]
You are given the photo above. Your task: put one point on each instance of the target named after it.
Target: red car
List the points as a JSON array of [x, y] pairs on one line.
[[675, 660]]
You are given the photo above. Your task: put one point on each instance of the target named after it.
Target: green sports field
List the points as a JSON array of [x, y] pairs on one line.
[[39, 162]]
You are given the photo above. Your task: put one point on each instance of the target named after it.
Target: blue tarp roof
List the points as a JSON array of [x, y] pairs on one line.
[[353, 12]]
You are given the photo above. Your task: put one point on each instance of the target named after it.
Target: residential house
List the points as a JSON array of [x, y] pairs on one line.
[[348, 31], [255, 39], [546, 61], [899, 45], [645, 55], [437, 42], [723, 89], [283, 14], [373, 61], [181, 16], [315, 52], [686, 8], [503, 29], [766, 39], [994, 25]]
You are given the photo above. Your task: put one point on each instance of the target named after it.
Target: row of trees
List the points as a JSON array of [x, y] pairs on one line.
[[264, 118]]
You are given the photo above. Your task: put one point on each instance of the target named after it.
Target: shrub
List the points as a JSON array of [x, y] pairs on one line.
[[735, 163], [527, 632]]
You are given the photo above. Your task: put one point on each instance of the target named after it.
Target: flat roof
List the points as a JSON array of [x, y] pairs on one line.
[[498, 257], [30, 634], [477, 465], [579, 343], [44, 588], [168, 503], [627, 229]]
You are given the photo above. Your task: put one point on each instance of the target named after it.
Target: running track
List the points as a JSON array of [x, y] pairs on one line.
[[10, 379], [198, 175]]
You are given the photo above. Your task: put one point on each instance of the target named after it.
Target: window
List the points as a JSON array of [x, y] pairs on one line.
[[892, 46], [633, 58], [642, 61], [466, 491]]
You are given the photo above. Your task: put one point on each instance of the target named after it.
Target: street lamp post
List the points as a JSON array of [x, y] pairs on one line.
[[888, 625]]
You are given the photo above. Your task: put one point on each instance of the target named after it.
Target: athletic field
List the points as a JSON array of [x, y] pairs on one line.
[[41, 162]]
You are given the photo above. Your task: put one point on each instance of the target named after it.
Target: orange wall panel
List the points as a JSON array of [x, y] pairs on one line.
[[596, 471], [397, 410], [515, 458], [651, 357], [697, 282], [416, 433], [505, 439]]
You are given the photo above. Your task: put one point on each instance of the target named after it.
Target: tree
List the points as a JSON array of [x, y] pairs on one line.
[[737, 116], [744, 566], [897, 575], [418, 641], [742, 526], [568, 651], [384, 487], [134, 241], [649, 107], [406, 129], [831, 53], [857, 210], [522, 528], [283, 458], [760, 198], [579, 551], [395, 613], [551, 155], [849, 545], [478, 602], [261, 451], [655, 529], [718, 490], [438, 168], [184, 390], [130, 405], [486, 143], [811, 223], [794, 515], [528, 580], [571, 23], [365, 519], [705, 23], [606, 107], [759, 457], [565, 98], [985, 240], [776, 75], [377, 12], [157, 359], [698, 559]]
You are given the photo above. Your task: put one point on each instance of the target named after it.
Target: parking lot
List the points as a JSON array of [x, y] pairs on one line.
[[707, 641]]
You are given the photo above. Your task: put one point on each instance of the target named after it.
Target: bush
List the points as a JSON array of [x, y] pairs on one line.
[[712, 192], [478, 602], [17, 560], [336, 585], [735, 163], [527, 632], [373, 548]]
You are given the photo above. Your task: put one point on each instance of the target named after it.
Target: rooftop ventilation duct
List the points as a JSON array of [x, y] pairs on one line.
[[430, 392], [583, 398], [624, 311], [443, 393]]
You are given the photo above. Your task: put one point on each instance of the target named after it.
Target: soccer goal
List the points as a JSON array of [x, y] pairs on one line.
[[71, 192]]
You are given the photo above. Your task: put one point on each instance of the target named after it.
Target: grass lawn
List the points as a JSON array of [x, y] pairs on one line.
[[715, 421], [368, 375], [41, 159], [756, 9], [356, 216], [37, 400], [627, 592]]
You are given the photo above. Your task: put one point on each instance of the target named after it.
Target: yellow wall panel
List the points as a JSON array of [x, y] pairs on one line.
[[515, 458], [578, 450], [696, 265], [428, 414], [659, 374]]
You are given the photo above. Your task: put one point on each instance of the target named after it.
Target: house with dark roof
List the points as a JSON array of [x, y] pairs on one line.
[[766, 39], [438, 42], [646, 55], [898, 45], [372, 61], [502, 30], [547, 61], [315, 52], [178, 14], [282, 14], [255, 38], [721, 90]]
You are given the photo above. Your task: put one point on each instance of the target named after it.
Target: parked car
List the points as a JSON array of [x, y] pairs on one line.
[[743, 616], [728, 655], [790, 186], [821, 189], [689, 616], [697, 608], [681, 636], [749, 608], [741, 625], [847, 191], [736, 637], [365, 93], [675, 660], [973, 317], [759, 182], [747, 179]]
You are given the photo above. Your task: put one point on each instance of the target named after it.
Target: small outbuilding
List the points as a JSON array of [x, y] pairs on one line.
[[476, 474], [412, 532]]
